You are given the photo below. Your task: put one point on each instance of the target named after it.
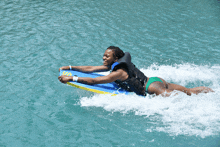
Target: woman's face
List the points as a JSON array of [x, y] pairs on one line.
[[108, 58]]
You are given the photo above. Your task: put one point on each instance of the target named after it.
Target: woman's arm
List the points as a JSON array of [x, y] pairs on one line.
[[113, 76], [86, 68]]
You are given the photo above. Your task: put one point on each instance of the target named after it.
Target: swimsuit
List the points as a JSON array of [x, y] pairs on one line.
[[151, 80]]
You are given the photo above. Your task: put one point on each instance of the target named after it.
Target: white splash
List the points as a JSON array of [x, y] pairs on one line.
[[184, 73], [180, 114]]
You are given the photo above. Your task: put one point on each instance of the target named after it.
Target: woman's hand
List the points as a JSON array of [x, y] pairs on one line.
[[64, 79]]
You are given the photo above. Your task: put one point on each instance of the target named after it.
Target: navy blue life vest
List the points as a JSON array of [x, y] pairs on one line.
[[136, 79]]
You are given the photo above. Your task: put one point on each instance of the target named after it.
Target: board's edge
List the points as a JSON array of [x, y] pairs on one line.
[[89, 89]]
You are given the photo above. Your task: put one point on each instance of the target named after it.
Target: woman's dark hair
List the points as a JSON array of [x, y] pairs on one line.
[[117, 52]]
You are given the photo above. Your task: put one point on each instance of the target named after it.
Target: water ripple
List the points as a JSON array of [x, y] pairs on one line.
[[38, 37]]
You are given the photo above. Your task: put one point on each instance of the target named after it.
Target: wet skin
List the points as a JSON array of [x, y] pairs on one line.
[[108, 58]]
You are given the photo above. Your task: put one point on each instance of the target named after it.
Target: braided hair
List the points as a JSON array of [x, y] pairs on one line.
[[117, 52]]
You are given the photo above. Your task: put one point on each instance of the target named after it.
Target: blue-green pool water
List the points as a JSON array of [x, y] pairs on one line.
[[178, 40]]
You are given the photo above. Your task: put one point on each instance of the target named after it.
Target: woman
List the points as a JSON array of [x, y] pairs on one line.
[[127, 76]]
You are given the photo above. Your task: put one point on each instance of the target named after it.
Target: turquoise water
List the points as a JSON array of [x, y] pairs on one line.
[[177, 40]]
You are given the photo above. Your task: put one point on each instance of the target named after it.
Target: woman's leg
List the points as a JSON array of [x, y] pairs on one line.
[[179, 88], [201, 89], [189, 91], [165, 89]]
